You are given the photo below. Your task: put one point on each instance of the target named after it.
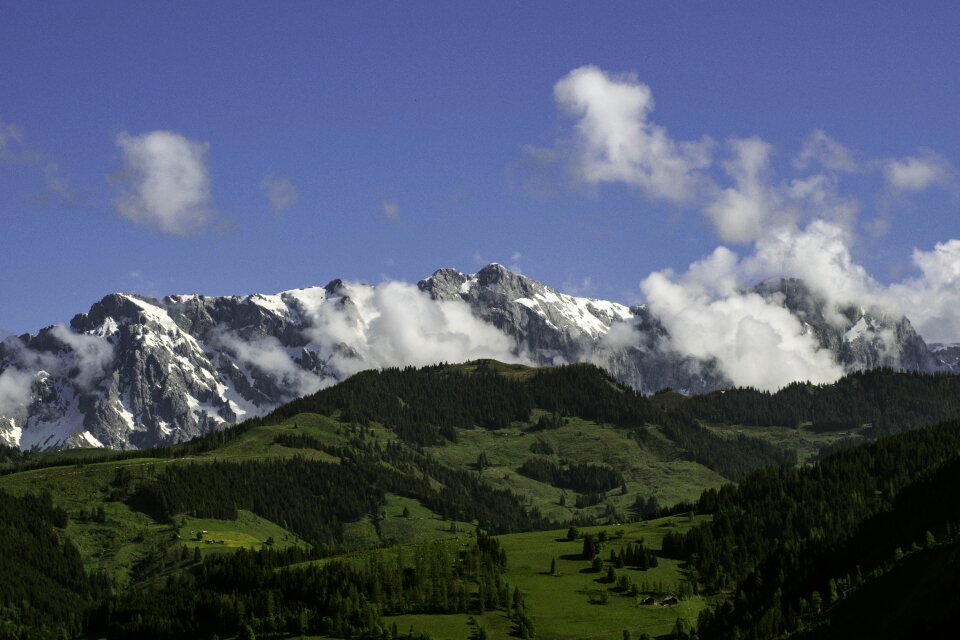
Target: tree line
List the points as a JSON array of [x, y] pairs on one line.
[[889, 401], [263, 592]]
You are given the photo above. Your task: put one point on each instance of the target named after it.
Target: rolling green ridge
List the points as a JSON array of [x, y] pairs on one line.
[[355, 483]]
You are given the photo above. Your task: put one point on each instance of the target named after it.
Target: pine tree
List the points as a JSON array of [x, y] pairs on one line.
[[589, 547]]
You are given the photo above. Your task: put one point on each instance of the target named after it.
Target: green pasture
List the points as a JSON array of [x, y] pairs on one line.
[[248, 531], [657, 468], [806, 441]]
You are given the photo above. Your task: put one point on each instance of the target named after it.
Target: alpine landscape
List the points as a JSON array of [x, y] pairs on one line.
[[426, 321]]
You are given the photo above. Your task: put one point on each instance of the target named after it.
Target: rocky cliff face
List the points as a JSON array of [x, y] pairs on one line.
[[555, 328], [860, 338], [134, 372]]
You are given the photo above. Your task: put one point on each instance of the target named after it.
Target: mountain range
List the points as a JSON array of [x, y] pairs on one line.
[[134, 371]]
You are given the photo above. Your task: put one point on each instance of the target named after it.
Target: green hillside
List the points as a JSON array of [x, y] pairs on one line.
[[382, 493]]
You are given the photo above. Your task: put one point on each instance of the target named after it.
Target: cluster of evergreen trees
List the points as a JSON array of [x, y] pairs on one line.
[[44, 590], [584, 478], [325, 495], [888, 401], [634, 555], [422, 406], [260, 590], [311, 498]]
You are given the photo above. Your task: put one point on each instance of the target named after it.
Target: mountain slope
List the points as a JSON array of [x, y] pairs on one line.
[[135, 372], [437, 453]]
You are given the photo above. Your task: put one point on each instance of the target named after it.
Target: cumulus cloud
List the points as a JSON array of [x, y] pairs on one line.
[[741, 213], [932, 299], [753, 341], [616, 142], [389, 325], [164, 183], [92, 355], [711, 313], [819, 254], [919, 172], [820, 149], [280, 192]]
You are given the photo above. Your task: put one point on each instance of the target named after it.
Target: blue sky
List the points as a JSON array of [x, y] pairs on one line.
[[237, 147]]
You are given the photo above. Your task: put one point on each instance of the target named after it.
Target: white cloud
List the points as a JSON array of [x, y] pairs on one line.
[[392, 324], [280, 192], [15, 393], [821, 149], [516, 260], [711, 314], [269, 356], [391, 210], [754, 342], [582, 287], [396, 324], [932, 300], [819, 254], [164, 183], [92, 355], [615, 141], [919, 172], [818, 197], [741, 213], [756, 204]]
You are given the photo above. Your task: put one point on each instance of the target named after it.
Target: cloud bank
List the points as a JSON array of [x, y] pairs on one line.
[[393, 324], [270, 357], [164, 183], [396, 324]]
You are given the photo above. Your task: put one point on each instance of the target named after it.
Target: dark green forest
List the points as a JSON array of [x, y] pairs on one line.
[[787, 542], [885, 401], [227, 594], [44, 590]]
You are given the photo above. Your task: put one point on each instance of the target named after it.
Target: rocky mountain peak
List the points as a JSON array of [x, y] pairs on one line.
[[862, 338], [444, 284], [136, 371]]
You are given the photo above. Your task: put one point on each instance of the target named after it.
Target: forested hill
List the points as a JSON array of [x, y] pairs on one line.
[[487, 448], [888, 401], [428, 403], [427, 406], [790, 544]]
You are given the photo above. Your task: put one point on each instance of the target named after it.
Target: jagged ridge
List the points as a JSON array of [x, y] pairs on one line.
[[134, 372]]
